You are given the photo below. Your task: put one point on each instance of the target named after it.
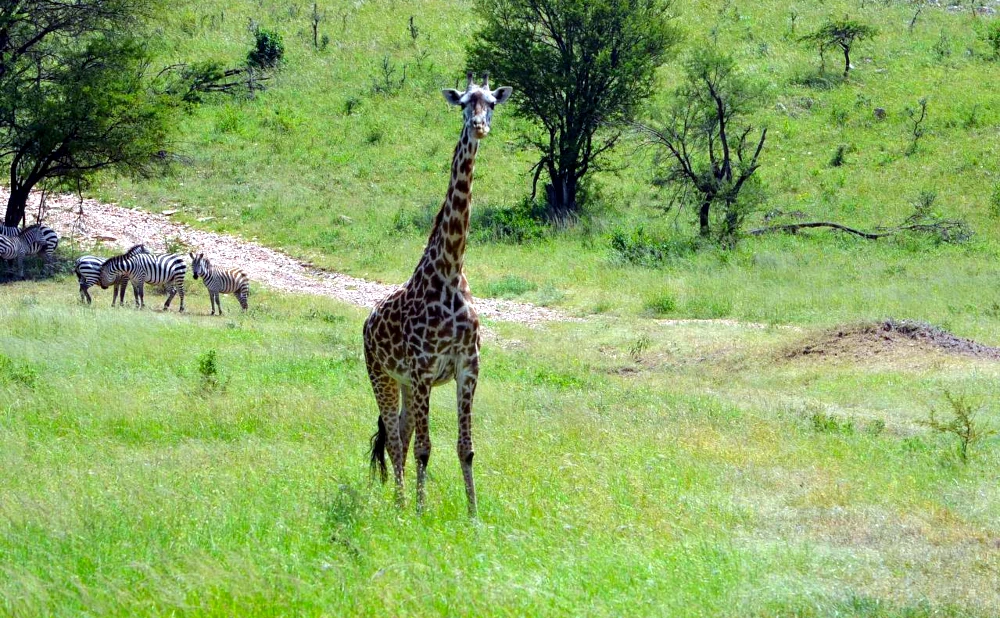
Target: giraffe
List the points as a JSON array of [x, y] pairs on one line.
[[427, 332]]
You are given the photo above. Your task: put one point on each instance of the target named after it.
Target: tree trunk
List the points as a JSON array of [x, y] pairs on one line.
[[703, 225], [847, 60], [561, 196], [16, 205]]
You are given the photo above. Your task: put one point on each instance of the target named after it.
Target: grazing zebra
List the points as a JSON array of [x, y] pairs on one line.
[[43, 240], [220, 281], [144, 268], [14, 248], [88, 268]]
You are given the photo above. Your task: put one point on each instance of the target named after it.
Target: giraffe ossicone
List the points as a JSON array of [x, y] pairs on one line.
[[427, 332]]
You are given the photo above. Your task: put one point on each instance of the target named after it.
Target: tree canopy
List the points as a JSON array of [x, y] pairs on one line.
[[75, 93], [579, 69]]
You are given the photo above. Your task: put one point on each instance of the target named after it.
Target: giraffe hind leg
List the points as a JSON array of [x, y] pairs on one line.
[[387, 437]]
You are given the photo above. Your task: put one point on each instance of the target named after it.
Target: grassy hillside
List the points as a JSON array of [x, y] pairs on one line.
[[322, 166], [624, 467]]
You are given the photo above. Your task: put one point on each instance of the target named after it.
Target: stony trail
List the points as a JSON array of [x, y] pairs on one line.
[[91, 223]]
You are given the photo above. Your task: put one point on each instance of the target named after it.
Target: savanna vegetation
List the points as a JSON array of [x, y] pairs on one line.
[[782, 458]]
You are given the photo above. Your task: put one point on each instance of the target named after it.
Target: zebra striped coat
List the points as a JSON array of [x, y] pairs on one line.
[[42, 239], [88, 269], [14, 248], [9, 230], [168, 270], [220, 281]]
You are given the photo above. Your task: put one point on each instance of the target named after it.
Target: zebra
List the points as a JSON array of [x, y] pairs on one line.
[[9, 230], [14, 248], [146, 268], [43, 239], [88, 268], [220, 281]]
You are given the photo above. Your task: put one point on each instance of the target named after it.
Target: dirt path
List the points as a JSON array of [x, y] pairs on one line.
[[120, 228]]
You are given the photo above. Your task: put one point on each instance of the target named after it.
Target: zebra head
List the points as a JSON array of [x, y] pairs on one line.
[[111, 270], [199, 265]]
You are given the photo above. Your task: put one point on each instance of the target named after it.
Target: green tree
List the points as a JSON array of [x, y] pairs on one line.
[[579, 69], [842, 33], [706, 137], [75, 94]]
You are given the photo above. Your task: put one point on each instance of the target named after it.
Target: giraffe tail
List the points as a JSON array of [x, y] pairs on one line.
[[378, 452]]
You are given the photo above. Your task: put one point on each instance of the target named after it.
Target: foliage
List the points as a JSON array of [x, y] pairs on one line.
[[992, 36], [707, 149], [517, 224], [268, 49], [637, 247], [842, 33], [579, 69], [208, 369], [963, 423], [75, 91]]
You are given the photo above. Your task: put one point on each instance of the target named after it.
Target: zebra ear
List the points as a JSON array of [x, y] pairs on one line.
[[191, 254]]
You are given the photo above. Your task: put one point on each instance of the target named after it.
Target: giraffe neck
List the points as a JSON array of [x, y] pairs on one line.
[[445, 252]]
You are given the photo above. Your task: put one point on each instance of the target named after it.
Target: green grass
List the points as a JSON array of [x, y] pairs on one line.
[[696, 473], [323, 167]]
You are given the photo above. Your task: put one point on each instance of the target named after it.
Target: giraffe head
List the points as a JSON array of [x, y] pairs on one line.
[[477, 103]]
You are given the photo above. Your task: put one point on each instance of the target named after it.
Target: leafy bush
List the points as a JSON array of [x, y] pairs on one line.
[[992, 37], [963, 423], [516, 225], [208, 369], [660, 303], [640, 249], [268, 49]]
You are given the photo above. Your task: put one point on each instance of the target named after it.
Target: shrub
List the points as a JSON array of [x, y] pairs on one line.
[[516, 225], [995, 201], [992, 36], [963, 423], [640, 249], [208, 369], [268, 49], [660, 304]]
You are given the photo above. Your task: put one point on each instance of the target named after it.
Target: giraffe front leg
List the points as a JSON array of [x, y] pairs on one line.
[[420, 396], [466, 379]]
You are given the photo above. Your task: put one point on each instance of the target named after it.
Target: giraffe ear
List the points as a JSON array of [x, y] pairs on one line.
[[502, 94], [452, 96]]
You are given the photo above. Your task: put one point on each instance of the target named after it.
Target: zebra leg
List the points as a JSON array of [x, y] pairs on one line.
[[84, 294], [243, 301], [139, 289], [170, 297], [180, 290], [218, 301]]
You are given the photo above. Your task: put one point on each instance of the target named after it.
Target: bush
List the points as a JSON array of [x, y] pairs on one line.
[[963, 423], [516, 225], [640, 249], [268, 49], [992, 37], [660, 304], [208, 369]]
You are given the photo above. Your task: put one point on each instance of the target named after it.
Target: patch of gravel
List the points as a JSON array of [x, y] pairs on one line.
[[92, 223], [859, 341]]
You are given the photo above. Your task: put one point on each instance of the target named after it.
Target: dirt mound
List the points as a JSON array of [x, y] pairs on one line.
[[860, 341]]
